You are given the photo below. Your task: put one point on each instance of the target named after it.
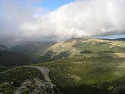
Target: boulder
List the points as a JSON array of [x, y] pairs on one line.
[[37, 86]]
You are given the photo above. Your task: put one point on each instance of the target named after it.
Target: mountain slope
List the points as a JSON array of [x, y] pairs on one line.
[[2, 47], [33, 48], [84, 66], [12, 79], [87, 66], [88, 74], [10, 58], [83, 46]]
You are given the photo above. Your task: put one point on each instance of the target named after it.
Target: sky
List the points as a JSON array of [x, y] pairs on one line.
[[53, 4], [35, 20]]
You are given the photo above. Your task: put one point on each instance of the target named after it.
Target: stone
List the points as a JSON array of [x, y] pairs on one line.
[[118, 90], [37, 86]]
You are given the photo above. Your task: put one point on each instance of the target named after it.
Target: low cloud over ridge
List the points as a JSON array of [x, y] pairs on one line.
[[81, 18]]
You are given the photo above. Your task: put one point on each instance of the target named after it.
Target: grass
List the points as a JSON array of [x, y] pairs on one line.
[[87, 66], [2, 68], [82, 46], [11, 58], [20, 74], [33, 48], [17, 75], [88, 73], [95, 46], [7, 89]]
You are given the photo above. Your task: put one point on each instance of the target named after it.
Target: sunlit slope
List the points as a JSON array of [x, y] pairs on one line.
[[83, 46], [87, 66], [88, 73]]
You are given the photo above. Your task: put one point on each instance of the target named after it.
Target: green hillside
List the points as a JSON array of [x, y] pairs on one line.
[[33, 48], [2, 47], [10, 58], [16, 76], [88, 74], [88, 66], [80, 66], [83, 46]]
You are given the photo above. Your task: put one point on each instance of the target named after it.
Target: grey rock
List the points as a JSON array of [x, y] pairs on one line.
[[37, 86], [118, 90]]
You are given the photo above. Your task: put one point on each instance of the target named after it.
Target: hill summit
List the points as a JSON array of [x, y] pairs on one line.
[[78, 46]]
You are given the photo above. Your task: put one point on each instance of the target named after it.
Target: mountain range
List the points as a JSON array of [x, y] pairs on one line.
[[77, 66]]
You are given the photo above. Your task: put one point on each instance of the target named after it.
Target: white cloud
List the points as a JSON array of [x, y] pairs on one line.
[[80, 18]]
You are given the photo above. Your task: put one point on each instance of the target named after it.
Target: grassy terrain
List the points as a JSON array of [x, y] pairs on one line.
[[17, 76], [104, 46], [10, 58], [87, 73], [89, 66], [2, 47], [73, 47], [81, 66], [2, 68], [33, 48]]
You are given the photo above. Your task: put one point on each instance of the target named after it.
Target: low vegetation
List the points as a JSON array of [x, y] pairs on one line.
[[33, 48], [19, 74], [2, 47], [83, 46], [87, 73], [3, 68], [78, 66], [10, 58], [11, 79]]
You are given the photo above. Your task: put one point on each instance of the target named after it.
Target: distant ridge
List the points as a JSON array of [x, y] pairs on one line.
[[11, 58], [33, 48], [2, 47], [78, 46], [120, 39]]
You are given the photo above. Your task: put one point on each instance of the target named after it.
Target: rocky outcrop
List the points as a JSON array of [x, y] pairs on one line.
[[37, 86], [119, 90]]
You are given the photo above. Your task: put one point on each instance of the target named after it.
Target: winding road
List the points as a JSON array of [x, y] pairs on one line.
[[43, 70]]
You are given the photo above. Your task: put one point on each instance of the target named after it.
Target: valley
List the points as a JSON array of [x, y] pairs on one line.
[[77, 66]]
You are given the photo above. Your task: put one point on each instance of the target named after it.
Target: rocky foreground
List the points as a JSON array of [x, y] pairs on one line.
[[37, 86]]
